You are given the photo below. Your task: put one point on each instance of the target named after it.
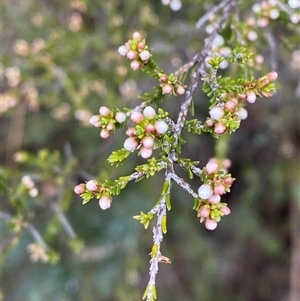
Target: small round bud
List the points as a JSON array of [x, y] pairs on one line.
[[251, 97], [135, 65], [149, 113], [136, 116], [243, 113], [123, 50], [228, 181], [220, 128], [148, 142], [33, 192], [131, 144], [212, 167], [230, 106], [167, 89], [92, 185], [137, 36], [131, 54], [161, 127], [210, 224], [141, 46], [180, 90], [205, 191], [79, 189], [149, 128], [146, 152], [104, 111], [145, 55], [104, 133], [209, 122], [94, 119], [105, 202], [120, 117], [272, 76], [204, 212], [215, 199], [216, 113], [163, 78], [219, 189], [130, 132], [227, 163], [110, 126], [225, 210]]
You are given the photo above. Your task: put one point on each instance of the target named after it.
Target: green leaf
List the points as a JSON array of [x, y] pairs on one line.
[[118, 156]]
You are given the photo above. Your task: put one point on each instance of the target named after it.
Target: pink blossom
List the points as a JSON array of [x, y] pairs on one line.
[[210, 224], [219, 189], [212, 167], [205, 191], [92, 185], [220, 128], [135, 65], [250, 96], [149, 112], [131, 144], [104, 133], [146, 152], [105, 202], [148, 142], [215, 199], [145, 55], [167, 89], [131, 54], [79, 189], [123, 50], [161, 127], [120, 117], [104, 111], [225, 210], [136, 116]]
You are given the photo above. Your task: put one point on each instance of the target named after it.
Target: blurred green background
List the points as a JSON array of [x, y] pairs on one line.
[[59, 65]]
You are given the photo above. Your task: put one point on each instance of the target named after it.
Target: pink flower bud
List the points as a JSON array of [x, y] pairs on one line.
[[79, 189], [135, 65], [243, 113], [149, 113], [265, 81], [92, 185], [220, 128], [209, 122], [225, 210], [216, 113], [219, 189], [141, 46], [137, 36], [94, 119], [105, 202], [110, 126], [204, 212], [272, 76], [104, 111], [130, 132], [205, 191], [104, 133], [163, 78], [228, 181], [149, 128], [131, 144], [167, 89], [136, 117], [180, 90], [123, 50], [210, 224], [212, 167], [251, 97], [131, 54], [146, 152], [148, 142], [145, 55], [214, 199], [227, 163], [120, 117], [230, 106], [161, 127]]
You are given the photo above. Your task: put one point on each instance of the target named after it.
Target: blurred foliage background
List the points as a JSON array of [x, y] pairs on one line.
[[59, 65]]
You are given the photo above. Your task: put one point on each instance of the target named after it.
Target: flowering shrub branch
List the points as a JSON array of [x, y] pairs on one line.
[[151, 129]]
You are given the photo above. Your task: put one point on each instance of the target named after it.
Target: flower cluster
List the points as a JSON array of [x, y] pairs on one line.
[[37, 252], [226, 115], [171, 85], [136, 50], [217, 183], [148, 126], [108, 120], [29, 186], [94, 188]]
